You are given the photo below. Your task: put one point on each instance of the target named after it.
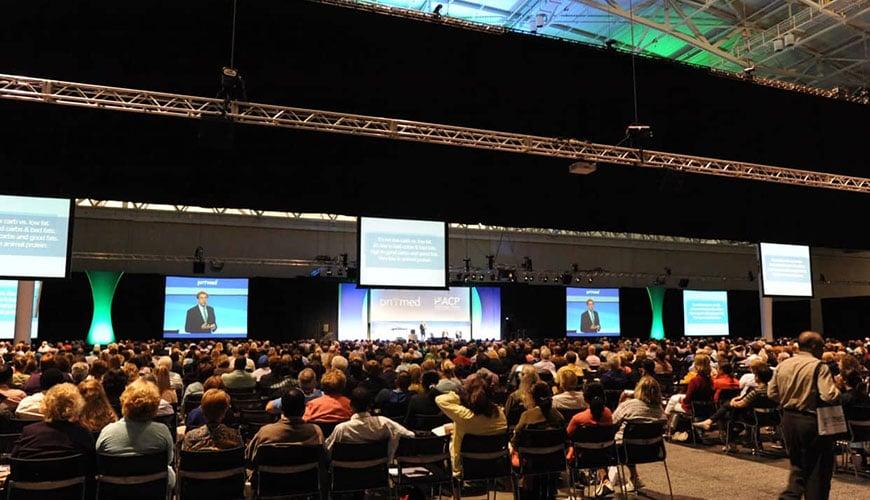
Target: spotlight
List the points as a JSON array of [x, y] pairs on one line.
[[527, 263], [329, 272], [546, 279], [232, 85], [577, 279], [566, 278], [582, 167], [490, 261], [610, 44], [638, 134], [788, 39], [199, 261], [589, 279], [436, 13]]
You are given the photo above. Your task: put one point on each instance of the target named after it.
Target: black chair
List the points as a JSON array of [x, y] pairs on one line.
[[765, 413], [428, 461], [568, 413], [17, 425], [171, 423], [47, 478], [611, 398], [642, 443], [858, 423], [485, 459], [425, 422], [594, 448], [358, 467], [211, 474], [7, 442], [191, 402], [395, 411], [726, 395], [666, 380], [542, 459], [326, 427], [139, 477], [701, 410], [250, 422], [287, 470]]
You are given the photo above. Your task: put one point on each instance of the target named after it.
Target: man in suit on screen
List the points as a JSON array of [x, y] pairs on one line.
[[200, 318], [589, 320]]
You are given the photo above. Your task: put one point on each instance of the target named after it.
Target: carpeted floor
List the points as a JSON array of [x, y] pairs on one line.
[[707, 473]]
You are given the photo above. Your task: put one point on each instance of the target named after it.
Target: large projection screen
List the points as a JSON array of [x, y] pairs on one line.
[[201, 307], [786, 270], [592, 312], [705, 313], [401, 253], [34, 237]]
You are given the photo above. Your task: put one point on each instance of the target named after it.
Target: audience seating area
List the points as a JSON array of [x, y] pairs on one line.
[[208, 419]]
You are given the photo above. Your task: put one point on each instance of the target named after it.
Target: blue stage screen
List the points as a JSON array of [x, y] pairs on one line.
[[705, 313], [223, 313], [601, 320]]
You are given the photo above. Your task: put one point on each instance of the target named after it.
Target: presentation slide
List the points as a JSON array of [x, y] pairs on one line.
[[34, 237], [786, 270], [205, 308], [8, 300], [592, 312], [705, 313], [389, 314], [402, 253]]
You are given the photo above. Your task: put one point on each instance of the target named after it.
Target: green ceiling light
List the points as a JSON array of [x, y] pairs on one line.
[[657, 303], [103, 285]]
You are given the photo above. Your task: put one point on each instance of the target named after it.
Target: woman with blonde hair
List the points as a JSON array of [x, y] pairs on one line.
[[700, 388], [59, 433], [137, 433], [521, 399], [164, 385], [97, 412], [644, 406]]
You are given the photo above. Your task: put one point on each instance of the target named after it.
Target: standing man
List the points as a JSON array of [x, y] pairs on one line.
[[589, 320], [798, 383], [200, 318]]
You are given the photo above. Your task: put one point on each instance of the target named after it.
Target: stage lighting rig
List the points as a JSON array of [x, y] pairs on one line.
[[232, 86], [436, 13], [638, 134], [581, 167]]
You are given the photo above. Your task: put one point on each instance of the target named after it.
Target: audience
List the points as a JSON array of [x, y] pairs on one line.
[[30, 408], [331, 407], [292, 428], [59, 433], [521, 399], [239, 379], [363, 427], [11, 395], [477, 415], [423, 404]]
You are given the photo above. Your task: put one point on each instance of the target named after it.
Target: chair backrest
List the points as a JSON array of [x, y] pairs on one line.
[[541, 451], [286, 469], [61, 477], [191, 402], [568, 413], [7, 442], [611, 398], [666, 380], [642, 442], [484, 457], [132, 476], [359, 466], [211, 474], [858, 420], [326, 427], [766, 412], [703, 409], [171, 423], [17, 425], [425, 422], [726, 395], [594, 446]]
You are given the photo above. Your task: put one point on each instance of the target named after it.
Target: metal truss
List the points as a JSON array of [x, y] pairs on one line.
[[39, 90]]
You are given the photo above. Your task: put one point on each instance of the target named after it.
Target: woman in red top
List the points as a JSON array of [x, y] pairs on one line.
[[700, 388], [724, 380], [596, 414]]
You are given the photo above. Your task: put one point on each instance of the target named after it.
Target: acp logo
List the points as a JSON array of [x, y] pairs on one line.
[[447, 301]]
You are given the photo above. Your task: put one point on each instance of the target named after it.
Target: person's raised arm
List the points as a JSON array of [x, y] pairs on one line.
[[452, 407]]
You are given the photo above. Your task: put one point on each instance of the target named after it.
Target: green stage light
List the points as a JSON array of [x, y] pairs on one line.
[[656, 302], [103, 285]]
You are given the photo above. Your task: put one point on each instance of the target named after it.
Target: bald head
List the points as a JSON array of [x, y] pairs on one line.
[[812, 343]]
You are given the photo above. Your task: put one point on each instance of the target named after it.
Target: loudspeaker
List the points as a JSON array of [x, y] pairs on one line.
[[199, 268]]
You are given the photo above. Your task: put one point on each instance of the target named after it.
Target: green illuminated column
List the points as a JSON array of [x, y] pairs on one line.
[[103, 284], [657, 302]]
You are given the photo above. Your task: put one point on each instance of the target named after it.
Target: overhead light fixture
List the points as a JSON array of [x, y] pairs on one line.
[[583, 167]]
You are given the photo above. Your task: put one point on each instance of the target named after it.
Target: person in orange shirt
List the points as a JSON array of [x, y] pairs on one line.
[[332, 406], [724, 380]]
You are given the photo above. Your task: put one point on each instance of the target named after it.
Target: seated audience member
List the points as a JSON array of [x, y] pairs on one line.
[[449, 381], [662, 366], [853, 391], [165, 408], [592, 360], [614, 377], [97, 369], [46, 362], [59, 434], [363, 427], [12, 396], [239, 379], [394, 402], [644, 406], [423, 404], [164, 385], [79, 372], [332, 406], [195, 418], [372, 380], [175, 380], [214, 435], [30, 408], [278, 380], [308, 386], [541, 415], [727, 413], [700, 388], [204, 371], [477, 415], [724, 380], [136, 433], [596, 414], [569, 398], [521, 399], [290, 429], [97, 412], [114, 382], [747, 381]]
